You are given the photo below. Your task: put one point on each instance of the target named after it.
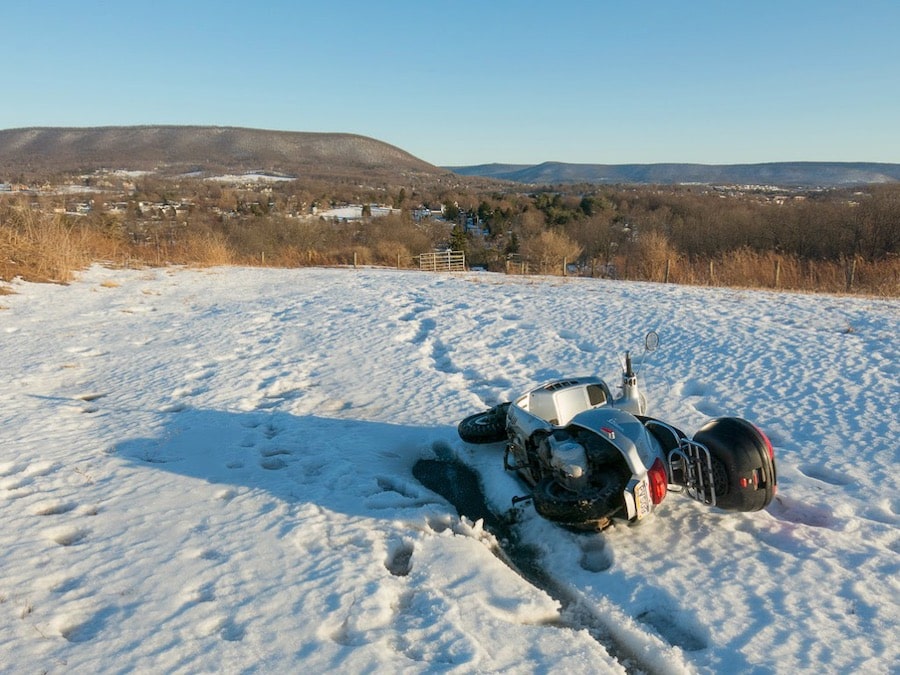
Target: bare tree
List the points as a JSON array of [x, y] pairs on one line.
[[549, 250]]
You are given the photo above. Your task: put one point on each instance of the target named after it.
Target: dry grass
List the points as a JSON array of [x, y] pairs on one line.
[[41, 247], [44, 247], [207, 249], [752, 269], [38, 246]]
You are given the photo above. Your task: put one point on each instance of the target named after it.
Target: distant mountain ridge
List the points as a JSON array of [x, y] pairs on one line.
[[203, 147], [173, 149], [785, 174]]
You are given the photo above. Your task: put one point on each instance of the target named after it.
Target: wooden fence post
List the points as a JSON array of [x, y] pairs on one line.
[[668, 263], [851, 275], [777, 273]]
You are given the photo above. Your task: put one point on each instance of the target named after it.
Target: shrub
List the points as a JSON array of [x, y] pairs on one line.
[[42, 247]]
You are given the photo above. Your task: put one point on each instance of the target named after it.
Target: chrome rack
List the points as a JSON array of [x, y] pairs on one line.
[[690, 467]]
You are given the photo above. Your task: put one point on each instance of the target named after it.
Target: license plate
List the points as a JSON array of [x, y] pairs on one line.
[[642, 503]]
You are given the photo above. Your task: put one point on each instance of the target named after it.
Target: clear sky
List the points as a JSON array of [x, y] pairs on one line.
[[475, 81]]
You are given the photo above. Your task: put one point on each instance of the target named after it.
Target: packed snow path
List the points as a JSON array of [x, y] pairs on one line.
[[212, 471]]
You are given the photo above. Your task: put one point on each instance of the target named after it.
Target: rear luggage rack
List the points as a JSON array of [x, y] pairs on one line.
[[690, 467]]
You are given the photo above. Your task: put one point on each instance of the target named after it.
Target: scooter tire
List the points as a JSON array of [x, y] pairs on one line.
[[484, 427], [556, 503]]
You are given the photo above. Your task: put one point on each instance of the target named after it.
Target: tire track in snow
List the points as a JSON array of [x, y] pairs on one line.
[[622, 637]]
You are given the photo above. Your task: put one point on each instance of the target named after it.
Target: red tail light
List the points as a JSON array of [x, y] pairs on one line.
[[771, 450], [766, 441], [659, 481]]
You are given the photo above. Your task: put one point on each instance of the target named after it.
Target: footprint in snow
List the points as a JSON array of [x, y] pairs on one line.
[[582, 344], [202, 374], [822, 473], [85, 351], [197, 594], [84, 627], [54, 508], [399, 558], [673, 629], [40, 469], [426, 327], [412, 315], [226, 495], [271, 431], [394, 494], [225, 627], [271, 458], [187, 392], [92, 396], [211, 554], [67, 536], [594, 556], [62, 583], [709, 408], [14, 483], [803, 513], [272, 452], [694, 388], [9, 468], [443, 362]]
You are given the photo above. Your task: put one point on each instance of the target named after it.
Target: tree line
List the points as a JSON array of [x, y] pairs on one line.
[[833, 240], [698, 235]]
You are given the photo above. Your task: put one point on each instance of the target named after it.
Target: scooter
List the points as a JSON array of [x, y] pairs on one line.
[[589, 457]]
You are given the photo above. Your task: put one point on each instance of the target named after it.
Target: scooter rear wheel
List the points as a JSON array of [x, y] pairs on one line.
[[590, 508]]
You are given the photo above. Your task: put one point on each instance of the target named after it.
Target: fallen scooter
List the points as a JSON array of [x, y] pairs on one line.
[[589, 457]]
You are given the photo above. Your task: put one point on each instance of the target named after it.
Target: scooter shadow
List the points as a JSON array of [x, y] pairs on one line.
[[344, 465]]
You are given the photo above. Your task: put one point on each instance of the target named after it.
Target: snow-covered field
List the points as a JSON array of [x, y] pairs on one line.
[[355, 212], [211, 471], [251, 177]]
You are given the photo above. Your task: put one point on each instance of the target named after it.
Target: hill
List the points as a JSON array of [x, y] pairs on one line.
[[174, 149], [214, 470], [171, 150], [788, 174]]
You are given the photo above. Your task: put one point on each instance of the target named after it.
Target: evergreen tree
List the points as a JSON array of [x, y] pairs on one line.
[[451, 212], [458, 239]]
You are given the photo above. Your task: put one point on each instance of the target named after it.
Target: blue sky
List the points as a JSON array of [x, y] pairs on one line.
[[469, 82]]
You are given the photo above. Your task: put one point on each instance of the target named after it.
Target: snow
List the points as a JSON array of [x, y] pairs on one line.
[[252, 177], [211, 471], [355, 212]]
